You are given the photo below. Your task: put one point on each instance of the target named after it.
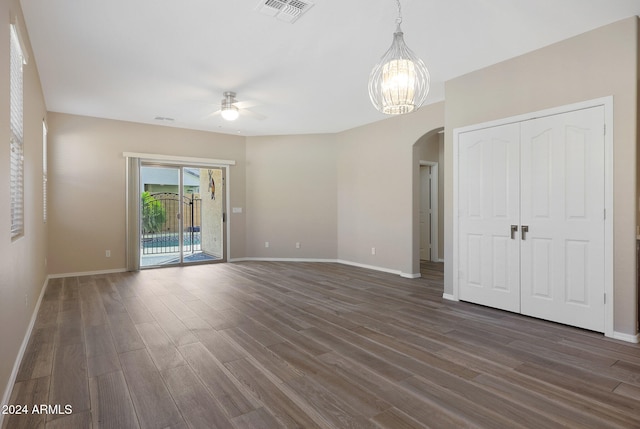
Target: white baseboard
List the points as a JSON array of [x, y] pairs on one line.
[[6, 397], [449, 297], [368, 267], [87, 273], [335, 261], [281, 259], [440, 260], [411, 275], [626, 337]]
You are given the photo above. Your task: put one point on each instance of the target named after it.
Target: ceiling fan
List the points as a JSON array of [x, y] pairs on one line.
[[231, 108]]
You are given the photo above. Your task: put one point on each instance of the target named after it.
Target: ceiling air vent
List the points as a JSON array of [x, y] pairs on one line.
[[284, 10]]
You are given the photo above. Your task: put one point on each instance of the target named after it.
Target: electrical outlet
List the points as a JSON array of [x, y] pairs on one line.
[[107, 253], [298, 245], [26, 301], [45, 261], [373, 250], [266, 244]]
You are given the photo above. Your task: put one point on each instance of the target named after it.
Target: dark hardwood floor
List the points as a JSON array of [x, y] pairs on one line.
[[309, 345]]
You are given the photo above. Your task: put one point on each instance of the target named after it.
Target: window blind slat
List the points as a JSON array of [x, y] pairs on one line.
[[16, 142]]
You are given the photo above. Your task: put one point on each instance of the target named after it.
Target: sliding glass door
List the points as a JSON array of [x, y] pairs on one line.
[[182, 215]]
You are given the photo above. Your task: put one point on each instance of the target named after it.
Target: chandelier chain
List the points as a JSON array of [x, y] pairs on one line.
[[399, 19]]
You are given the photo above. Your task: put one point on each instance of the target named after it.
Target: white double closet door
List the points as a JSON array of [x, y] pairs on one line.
[[531, 227]]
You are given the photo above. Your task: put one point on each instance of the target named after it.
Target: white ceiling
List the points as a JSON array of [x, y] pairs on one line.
[[135, 60]]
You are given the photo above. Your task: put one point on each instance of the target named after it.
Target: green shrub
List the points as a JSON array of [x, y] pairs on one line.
[[153, 214]]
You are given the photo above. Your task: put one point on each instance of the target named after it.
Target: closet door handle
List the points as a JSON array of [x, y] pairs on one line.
[[525, 229], [514, 229]]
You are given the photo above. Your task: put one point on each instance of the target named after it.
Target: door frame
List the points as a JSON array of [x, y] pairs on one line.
[[607, 103], [184, 161], [433, 194]]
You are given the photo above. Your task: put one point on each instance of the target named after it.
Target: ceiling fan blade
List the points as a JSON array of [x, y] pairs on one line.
[[252, 114], [245, 104], [240, 105]]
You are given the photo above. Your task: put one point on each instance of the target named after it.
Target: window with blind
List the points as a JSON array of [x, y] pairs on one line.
[[16, 135]]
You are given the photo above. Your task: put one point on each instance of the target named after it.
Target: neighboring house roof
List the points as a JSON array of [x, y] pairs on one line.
[[168, 176]]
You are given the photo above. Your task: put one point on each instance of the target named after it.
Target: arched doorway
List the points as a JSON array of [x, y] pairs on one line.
[[428, 200]]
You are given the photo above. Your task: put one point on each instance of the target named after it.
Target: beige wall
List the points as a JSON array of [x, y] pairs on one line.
[[599, 63], [323, 191], [339, 194], [22, 265], [428, 147], [291, 196], [87, 182], [378, 190]]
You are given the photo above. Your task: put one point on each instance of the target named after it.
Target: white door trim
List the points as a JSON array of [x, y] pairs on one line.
[[607, 103], [434, 208], [182, 160]]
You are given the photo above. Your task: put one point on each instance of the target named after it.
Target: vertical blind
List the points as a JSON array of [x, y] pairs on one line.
[[16, 136], [133, 214]]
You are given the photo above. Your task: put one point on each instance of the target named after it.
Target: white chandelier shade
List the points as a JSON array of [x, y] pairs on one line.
[[400, 82]]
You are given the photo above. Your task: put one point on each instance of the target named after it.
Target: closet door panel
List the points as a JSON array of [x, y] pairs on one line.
[[488, 204], [562, 204]]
